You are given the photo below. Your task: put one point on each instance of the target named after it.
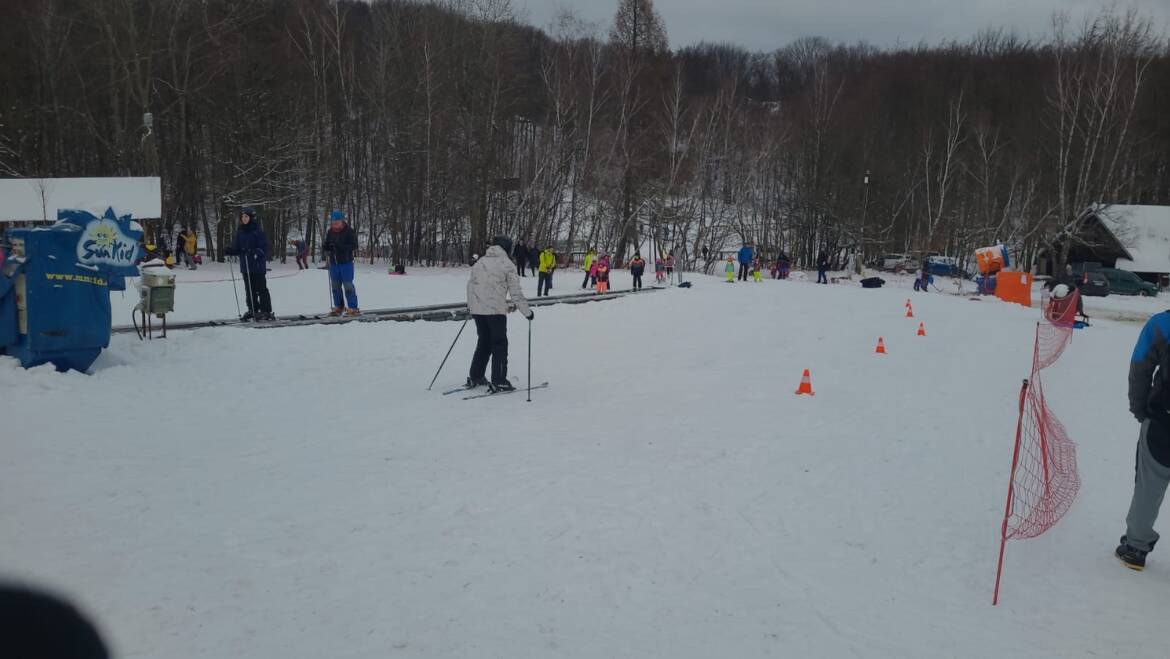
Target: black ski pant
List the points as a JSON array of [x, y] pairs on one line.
[[743, 271], [543, 284], [821, 278], [493, 343], [520, 268], [585, 282], [256, 292], [637, 282]]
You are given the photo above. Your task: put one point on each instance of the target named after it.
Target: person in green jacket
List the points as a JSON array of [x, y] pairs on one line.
[[548, 263], [590, 256]]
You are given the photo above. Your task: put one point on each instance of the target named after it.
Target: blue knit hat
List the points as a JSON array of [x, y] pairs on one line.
[[250, 212], [337, 216]]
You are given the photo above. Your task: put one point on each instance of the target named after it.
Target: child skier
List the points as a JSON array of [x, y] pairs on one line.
[[603, 274], [670, 267], [637, 267], [730, 269], [756, 268], [659, 270]]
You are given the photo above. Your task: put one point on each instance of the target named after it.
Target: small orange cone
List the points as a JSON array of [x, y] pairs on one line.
[[881, 347], [909, 312], [805, 385], [921, 329]]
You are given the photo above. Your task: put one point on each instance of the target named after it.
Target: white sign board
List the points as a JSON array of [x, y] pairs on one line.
[[25, 199]]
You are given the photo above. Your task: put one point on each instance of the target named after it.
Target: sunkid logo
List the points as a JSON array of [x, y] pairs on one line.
[[103, 243], [108, 240]]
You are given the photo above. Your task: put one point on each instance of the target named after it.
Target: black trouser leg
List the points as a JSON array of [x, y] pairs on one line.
[[259, 293], [520, 269], [250, 293], [498, 343], [743, 272], [637, 282], [483, 348], [585, 282]]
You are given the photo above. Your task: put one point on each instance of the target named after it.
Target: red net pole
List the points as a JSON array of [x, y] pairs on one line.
[[1007, 510]]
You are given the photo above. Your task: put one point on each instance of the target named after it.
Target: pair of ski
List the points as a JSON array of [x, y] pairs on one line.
[[542, 385]]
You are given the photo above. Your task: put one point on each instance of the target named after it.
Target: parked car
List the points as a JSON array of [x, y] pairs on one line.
[[894, 261], [944, 266], [1124, 282], [1089, 278]]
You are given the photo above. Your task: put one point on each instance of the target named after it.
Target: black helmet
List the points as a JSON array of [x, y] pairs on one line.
[[503, 242]]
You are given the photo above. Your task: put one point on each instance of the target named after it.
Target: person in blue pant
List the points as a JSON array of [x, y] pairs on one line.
[[746, 254], [340, 244]]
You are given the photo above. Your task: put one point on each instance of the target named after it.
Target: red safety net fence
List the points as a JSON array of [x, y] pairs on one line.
[[1044, 480]]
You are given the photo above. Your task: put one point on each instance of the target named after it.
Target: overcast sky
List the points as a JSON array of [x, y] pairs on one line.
[[763, 25]]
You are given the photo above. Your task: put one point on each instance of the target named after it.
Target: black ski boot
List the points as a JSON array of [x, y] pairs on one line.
[[247, 316], [501, 387], [1134, 559], [472, 384]]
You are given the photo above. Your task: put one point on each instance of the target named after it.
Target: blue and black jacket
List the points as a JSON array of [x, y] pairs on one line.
[[1149, 369]]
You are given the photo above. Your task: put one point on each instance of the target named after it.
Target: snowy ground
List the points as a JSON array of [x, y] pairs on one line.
[[296, 493]]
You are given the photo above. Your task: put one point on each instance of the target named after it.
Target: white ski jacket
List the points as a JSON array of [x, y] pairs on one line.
[[493, 278]]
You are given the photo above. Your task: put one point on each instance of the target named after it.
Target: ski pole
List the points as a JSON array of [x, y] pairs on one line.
[[234, 291], [457, 335], [529, 360]]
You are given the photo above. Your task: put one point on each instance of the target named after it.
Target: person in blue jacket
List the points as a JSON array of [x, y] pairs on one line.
[[746, 254], [1149, 402], [340, 244], [251, 245]]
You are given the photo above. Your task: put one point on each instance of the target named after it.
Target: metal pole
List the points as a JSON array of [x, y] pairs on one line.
[[448, 351], [529, 360], [232, 271]]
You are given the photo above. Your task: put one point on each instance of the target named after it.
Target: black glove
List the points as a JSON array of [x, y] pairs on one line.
[[531, 314]]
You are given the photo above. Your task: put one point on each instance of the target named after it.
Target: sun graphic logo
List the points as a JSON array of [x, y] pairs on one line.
[[103, 243]]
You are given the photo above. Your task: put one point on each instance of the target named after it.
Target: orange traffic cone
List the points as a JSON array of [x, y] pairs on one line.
[[909, 312], [881, 347], [921, 329], [805, 385]]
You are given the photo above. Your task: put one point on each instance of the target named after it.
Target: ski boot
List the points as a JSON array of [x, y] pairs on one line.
[[501, 387], [247, 316], [353, 312], [473, 383], [336, 311], [1134, 559]]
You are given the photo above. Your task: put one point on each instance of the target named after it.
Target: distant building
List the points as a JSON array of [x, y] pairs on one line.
[[1134, 238]]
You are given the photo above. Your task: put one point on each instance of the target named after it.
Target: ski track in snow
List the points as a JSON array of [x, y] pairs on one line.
[[298, 493]]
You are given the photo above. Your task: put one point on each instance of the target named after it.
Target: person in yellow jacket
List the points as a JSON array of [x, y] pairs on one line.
[[188, 247], [730, 270], [590, 257], [548, 263]]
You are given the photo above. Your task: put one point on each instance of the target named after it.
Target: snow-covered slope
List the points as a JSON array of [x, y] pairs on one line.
[[298, 493]]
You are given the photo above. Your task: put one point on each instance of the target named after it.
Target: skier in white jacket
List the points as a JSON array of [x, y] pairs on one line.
[[493, 279]]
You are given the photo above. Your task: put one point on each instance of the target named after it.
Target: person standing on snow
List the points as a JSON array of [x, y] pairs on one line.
[[730, 270], [492, 281], [340, 244], [822, 267], [1149, 402], [659, 270], [637, 268], [548, 263], [602, 266], [745, 260], [670, 267], [756, 269], [251, 245], [520, 254], [590, 257], [534, 260], [302, 253]]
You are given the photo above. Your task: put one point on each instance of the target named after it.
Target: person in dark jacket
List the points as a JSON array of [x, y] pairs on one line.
[[746, 254], [637, 268], [534, 258], [251, 246], [340, 244], [822, 268], [520, 256], [1149, 402]]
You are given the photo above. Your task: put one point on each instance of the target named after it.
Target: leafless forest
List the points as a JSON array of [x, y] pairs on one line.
[[437, 125]]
